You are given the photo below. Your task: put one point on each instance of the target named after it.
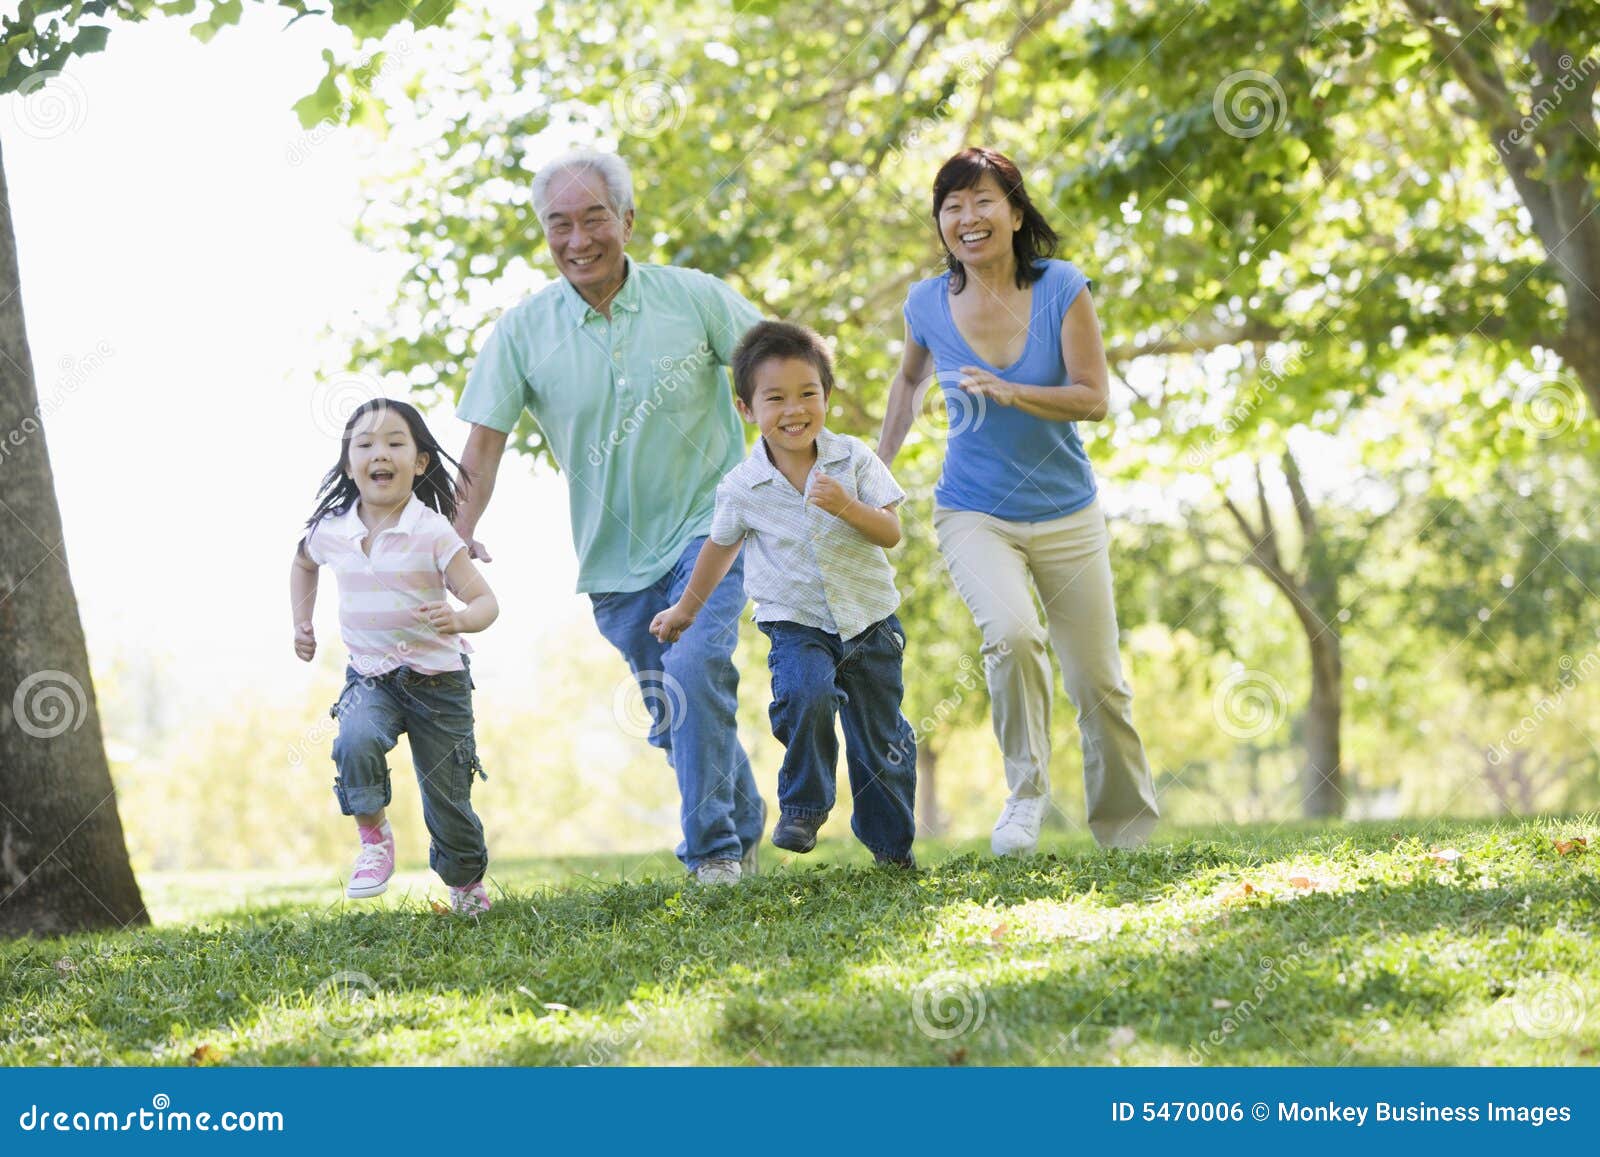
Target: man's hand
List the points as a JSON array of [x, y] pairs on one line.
[[475, 549], [305, 641], [671, 623], [440, 617], [826, 493]]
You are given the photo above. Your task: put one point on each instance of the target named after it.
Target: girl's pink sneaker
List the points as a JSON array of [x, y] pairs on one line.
[[473, 900], [374, 864]]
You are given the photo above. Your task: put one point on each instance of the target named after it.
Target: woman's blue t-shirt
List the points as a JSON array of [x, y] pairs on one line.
[[1001, 461]]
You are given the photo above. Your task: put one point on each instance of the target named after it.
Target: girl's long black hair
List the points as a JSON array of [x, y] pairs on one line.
[[434, 485], [1031, 244]]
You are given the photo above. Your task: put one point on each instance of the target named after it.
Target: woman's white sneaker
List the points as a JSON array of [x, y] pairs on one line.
[[1016, 832]]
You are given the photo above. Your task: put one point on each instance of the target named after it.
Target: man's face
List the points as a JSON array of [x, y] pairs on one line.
[[586, 236]]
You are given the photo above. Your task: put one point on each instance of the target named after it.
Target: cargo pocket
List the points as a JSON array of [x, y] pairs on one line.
[[467, 760]]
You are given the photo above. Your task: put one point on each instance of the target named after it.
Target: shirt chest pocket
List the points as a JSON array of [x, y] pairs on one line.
[[678, 379]]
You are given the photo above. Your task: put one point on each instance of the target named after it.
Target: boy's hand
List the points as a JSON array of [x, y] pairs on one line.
[[826, 492], [671, 623], [440, 617], [305, 641]]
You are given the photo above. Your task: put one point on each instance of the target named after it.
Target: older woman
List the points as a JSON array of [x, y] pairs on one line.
[[1014, 342]]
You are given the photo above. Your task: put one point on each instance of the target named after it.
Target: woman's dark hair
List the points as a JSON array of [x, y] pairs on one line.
[[434, 485], [1032, 243], [769, 340]]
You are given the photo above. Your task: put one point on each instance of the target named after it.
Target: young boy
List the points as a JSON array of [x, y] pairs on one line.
[[818, 509]]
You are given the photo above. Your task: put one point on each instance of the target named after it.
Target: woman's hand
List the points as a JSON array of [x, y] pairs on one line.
[[440, 617], [987, 385], [305, 641]]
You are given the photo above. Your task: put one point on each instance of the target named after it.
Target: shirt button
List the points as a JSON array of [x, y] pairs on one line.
[[622, 381]]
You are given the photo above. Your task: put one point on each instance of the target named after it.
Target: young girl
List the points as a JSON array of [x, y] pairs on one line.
[[382, 523]]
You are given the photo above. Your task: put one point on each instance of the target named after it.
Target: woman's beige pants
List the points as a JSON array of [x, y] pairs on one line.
[[997, 565]]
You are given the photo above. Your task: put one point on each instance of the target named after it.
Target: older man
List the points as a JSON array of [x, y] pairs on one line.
[[622, 365]]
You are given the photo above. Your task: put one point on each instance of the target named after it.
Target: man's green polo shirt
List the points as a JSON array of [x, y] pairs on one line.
[[637, 410]]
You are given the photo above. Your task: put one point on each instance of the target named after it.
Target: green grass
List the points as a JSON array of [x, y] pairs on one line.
[[1076, 956]]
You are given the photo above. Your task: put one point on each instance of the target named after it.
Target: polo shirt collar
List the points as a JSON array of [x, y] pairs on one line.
[[627, 298], [349, 524], [831, 447]]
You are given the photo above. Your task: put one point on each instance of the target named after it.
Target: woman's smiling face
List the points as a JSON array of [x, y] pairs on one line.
[[977, 223]]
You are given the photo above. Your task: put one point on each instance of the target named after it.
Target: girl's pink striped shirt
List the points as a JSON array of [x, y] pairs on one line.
[[379, 591]]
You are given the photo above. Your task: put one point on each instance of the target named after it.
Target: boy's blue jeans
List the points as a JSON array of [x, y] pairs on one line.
[[435, 711], [817, 675], [692, 691]]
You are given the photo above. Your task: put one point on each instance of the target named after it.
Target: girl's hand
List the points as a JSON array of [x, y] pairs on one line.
[[440, 617], [826, 492], [305, 641], [671, 623], [986, 385]]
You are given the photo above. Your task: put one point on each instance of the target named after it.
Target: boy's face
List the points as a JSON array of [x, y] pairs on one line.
[[787, 404]]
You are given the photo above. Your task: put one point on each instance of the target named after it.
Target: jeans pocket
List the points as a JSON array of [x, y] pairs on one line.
[[350, 680], [467, 760]]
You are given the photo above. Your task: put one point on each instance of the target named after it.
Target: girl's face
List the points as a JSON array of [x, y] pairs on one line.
[[384, 460], [977, 223]]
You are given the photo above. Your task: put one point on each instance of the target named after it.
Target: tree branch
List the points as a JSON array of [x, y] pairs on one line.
[[1303, 509], [1026, 27], [1251, 333]]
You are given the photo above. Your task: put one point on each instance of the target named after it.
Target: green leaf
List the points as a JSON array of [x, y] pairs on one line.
[[91, 39], [323, 103]]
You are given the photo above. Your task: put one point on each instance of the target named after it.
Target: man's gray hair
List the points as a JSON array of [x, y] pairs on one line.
[[613, 171]]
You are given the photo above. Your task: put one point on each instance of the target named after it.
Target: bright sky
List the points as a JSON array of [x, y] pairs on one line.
[[185, 247]]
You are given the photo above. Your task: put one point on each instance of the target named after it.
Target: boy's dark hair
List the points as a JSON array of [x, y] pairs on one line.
[[434, 485], [1031, 244], [769, 340]]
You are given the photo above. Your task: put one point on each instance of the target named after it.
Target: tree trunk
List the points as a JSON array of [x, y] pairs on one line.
[[63, 861], [1320, 783], [932, 819]]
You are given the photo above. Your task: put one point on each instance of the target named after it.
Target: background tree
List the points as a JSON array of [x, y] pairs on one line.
[[1277, 242], [63, 858]]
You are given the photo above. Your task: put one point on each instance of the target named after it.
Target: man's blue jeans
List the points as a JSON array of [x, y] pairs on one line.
[[816, 676], [692, 690]]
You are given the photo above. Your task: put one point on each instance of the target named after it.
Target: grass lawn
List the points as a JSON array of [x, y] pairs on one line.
[[1386, 943]]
